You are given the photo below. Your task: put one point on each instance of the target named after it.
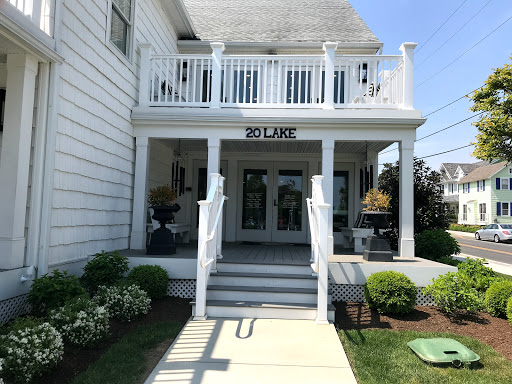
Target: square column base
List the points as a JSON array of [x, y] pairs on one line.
[[138, 240], [406, 248], [12, 253]]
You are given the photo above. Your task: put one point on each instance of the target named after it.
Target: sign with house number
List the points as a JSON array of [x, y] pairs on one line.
[[270, 133]]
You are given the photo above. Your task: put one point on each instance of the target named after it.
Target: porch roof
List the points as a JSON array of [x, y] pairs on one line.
[[278, 20]]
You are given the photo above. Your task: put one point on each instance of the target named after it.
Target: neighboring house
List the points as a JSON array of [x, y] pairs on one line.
[[486, 195], [107, 98], [451, 173]]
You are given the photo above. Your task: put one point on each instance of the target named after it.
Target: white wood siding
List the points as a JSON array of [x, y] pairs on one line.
[[94, 159]]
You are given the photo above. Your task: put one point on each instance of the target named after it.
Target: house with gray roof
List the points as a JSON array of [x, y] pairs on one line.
[[451, 173], [485, 195], [264, 118]]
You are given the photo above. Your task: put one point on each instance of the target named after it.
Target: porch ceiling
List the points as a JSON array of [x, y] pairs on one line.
[[253, 146], [7, 47]]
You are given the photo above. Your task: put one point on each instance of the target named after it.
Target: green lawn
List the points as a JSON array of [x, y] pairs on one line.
[[383, 357], [124, 362]]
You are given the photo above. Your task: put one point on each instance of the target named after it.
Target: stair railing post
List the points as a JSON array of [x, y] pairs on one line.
[[323, 265], [219, 225], [202, 273]]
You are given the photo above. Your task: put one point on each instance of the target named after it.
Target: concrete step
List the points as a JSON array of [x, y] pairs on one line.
[[264, 294], [263, 279], [264, 268], [262, 310]]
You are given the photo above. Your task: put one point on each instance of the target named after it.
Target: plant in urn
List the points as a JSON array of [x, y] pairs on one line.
[[375, 215], [162, 200]]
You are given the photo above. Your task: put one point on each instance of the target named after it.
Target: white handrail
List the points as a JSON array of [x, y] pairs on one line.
[[318, 212], [210, 216]]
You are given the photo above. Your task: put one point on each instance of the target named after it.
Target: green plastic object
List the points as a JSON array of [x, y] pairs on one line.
[[443, 351]]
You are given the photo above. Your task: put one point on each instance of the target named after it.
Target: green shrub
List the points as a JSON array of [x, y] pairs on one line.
[[53, 290], [509, 310], [390, 292], [81, 322], [124, 302], [496, 297], [436, 244], [464, 227], [29, 347], [151, 278], [106, 268], [481, 276], [454, 291]]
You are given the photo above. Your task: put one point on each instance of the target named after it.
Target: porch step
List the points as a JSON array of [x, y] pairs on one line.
[[284, 268], [287, 280], [263, 294], [263, 310]]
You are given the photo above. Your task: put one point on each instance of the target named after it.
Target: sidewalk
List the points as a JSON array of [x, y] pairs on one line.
[[244, 351]]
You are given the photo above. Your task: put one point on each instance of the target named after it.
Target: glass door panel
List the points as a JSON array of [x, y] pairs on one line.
[[340, 200], [254, 199], [289, 200]]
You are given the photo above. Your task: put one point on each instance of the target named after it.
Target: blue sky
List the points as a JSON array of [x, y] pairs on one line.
[[399, 21]]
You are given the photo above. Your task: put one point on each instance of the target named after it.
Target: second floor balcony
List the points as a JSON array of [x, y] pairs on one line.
[[328, 81]]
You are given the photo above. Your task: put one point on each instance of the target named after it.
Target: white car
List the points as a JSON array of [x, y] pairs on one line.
[[496, 232]]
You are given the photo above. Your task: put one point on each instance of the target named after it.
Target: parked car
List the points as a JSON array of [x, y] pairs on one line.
[[496, 232]]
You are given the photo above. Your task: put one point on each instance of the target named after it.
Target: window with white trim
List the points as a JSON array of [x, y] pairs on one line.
[[482, 210], [121, 25], [465, 188], [505, 211], [464, 212], [504, 183], [480, 185]]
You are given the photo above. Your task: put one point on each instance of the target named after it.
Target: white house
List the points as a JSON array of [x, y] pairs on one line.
[[451, 174], [107, 98]]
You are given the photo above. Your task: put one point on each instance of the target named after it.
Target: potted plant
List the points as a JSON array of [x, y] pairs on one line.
[[162, 200], [376, 211], [375, 215]]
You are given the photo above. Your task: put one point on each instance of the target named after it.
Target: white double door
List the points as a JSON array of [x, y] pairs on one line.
[[272, 202]]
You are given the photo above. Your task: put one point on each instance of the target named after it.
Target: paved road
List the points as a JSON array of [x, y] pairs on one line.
[[500, 252]]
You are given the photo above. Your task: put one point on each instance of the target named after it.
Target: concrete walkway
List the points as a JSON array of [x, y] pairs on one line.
[[244, 351]]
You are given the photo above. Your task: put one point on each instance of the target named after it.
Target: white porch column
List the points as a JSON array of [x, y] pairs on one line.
[[328, 182], [217, 49], [408, 84], [15, 158], [330, 56], [138, 235], [406, 227], [374, 158], [213, 158]]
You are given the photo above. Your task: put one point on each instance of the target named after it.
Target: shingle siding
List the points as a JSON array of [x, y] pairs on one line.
[[94, 159], [501, 196]]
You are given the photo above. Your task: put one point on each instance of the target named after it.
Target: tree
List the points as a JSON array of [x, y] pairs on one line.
[[430, 212], [494, 99]]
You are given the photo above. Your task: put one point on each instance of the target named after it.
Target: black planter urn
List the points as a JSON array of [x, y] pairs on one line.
[[377, 245], [162, 240]]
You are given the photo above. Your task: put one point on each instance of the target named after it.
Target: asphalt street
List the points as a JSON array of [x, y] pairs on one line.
[[500, 252]]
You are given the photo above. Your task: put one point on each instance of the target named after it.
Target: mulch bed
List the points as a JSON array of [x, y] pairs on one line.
[[76, 360], [489, 330]]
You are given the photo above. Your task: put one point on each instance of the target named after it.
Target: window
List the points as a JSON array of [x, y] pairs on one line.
[[121, 21], [482, 210], [480, 185], [505, 209], [504, 183], [465, 188], [245, 86], [465, 212], [340, 200]]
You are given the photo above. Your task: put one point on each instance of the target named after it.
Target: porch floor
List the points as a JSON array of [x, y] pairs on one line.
[[256, 253]]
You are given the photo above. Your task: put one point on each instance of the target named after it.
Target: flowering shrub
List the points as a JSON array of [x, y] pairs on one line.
[[82, 322], [124, 302], [29, 348]]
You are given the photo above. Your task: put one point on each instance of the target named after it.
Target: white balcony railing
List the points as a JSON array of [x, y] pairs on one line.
[[308, 81], [40, 12]]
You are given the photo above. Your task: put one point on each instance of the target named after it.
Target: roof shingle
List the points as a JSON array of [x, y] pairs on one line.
[[278, 20], [483, 173]]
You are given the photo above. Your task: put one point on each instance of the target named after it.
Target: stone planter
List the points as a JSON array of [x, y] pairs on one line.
[[162, 239], [377, 245]]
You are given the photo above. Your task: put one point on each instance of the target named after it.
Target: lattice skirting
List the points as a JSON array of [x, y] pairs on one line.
[[184, 288], [13, 307], [351, 292]]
